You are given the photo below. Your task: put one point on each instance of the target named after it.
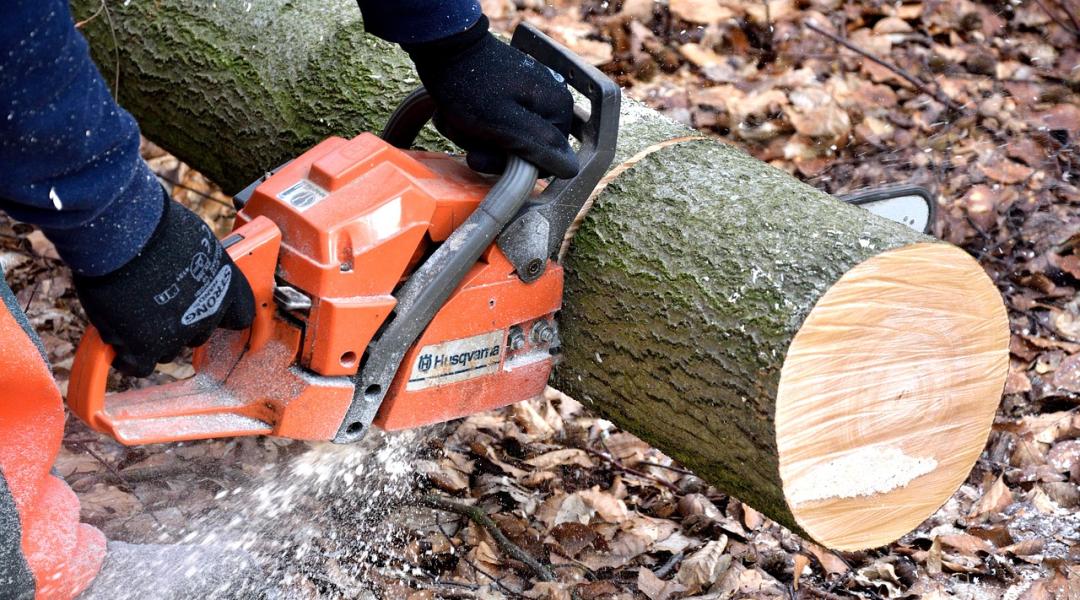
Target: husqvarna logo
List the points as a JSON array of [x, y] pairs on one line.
[[210, 297], [457, 360]]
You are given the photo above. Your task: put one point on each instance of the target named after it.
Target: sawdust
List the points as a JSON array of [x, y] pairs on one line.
[[318, 525], [865, 471]]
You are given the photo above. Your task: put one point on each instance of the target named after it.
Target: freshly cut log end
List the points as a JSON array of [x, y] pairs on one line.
[[888, 392]]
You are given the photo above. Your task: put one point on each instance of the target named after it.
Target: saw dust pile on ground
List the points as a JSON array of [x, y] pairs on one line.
[[976, 101]]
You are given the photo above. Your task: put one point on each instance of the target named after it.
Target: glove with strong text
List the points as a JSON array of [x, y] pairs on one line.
[[179, 288], [492, 99]]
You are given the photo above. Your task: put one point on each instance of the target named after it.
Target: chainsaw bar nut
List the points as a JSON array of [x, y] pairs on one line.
[[542, 332], [516, 340]]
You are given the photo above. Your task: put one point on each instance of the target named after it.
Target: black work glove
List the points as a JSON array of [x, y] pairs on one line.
[[179, 288], [492, 99]]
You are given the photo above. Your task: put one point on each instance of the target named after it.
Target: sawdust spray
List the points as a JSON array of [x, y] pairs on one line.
[[321, 524]]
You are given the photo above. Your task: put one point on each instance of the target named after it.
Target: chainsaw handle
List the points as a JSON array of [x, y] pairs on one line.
[[253, 247], [597, 128], [537, 232]]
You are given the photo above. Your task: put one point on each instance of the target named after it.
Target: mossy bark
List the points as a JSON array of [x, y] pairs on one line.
[[686, 282]]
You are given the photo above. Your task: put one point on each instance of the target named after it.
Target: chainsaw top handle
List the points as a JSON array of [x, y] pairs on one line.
[[537, 231], [529, 230]]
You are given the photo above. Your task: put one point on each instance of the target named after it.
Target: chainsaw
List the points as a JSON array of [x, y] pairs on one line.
[[393, 288]]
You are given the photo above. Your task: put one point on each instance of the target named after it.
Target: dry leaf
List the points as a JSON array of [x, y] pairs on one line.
[[573, 537], [800, 569], [704, 567], [881, 576], [566, 456], [832, 563], [606, 505], [574, 509], [752, 519], [549, 591], [700, 11], [815, 114], [994, 500], [1006, 171], [655, 588]]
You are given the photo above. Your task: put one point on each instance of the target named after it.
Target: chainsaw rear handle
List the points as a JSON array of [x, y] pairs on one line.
[[537, 232], [247, 247]]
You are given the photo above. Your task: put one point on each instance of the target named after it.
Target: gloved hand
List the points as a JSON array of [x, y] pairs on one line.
[[492, 99], [179, 288]]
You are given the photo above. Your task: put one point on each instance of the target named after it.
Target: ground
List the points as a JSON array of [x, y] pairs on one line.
[[977, 101]]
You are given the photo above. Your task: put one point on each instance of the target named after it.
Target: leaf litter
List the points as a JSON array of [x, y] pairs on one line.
[[975, 100]]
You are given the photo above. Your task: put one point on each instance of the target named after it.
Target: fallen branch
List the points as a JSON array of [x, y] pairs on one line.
[[915, 81], [632, 471], [478, 516], [476, 568]]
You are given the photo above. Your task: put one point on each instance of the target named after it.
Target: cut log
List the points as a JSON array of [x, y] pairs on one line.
[[836, 371]]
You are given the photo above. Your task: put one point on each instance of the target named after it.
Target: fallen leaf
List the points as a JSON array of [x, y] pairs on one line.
[[965, 543], [704, 567], [815, 114], [573, 537], [605, 504], [574, 509], [994, 500], [1067, 375], [933, 557], [700, 11], [1003, 170], [881, 576], [655, 588], [799, 569], [566, 456], [832, 563], [546, 590]]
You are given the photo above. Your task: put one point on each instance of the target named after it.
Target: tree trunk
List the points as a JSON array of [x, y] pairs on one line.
[[836, 371]]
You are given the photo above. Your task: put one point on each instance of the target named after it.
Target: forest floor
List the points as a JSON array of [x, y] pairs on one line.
[[979, 102]]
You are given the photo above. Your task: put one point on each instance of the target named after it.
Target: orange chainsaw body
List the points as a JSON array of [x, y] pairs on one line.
[[324, 243]]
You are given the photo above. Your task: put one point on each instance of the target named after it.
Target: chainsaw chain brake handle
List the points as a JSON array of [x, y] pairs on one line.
[[528, 233], [536, 233]]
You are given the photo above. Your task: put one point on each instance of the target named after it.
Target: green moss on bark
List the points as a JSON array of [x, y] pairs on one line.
[[685, 286]]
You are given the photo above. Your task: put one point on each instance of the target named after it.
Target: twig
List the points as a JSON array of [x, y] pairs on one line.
[[173, 182], [472, 565], [666, 467], [1072, 16], [116, 49], [123, 481], [1056, 18], [915, 81], [669, 566], [632, 471], [139, 474], [477, 515]]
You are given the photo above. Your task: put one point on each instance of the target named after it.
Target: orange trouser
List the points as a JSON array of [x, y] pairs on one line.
[[44, 551]]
